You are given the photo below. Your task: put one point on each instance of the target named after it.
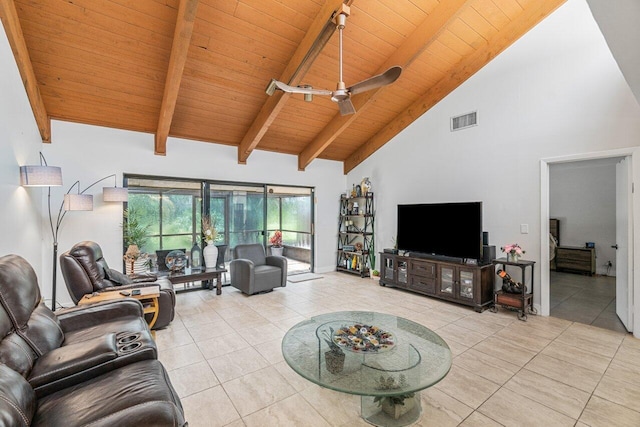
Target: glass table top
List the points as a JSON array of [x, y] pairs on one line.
[[366, 353]]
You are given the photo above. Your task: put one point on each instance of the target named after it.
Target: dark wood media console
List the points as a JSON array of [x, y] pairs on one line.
[[470, 285]]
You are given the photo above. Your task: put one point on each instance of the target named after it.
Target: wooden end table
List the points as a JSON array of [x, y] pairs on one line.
[[520, 302], [148, 296]]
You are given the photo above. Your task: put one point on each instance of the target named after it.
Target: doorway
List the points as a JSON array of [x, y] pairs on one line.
[[589, 197]]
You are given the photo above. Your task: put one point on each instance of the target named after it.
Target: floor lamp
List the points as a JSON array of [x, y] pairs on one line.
[[51, 176]]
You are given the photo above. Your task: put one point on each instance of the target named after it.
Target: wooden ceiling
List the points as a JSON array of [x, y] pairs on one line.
[[198, 69]]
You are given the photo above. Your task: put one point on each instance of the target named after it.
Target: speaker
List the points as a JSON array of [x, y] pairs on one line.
[[485, 238], [488, 254]]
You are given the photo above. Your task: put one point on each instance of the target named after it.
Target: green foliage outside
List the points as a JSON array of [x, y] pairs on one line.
[[181, 218]]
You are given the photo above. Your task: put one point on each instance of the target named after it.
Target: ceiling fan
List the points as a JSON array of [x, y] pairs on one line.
[[342, 94]]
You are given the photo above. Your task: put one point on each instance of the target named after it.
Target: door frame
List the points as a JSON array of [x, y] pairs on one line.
[[633, 153]]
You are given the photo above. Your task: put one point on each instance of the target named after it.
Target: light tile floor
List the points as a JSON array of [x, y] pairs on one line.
[[585, 299], [223, 355]]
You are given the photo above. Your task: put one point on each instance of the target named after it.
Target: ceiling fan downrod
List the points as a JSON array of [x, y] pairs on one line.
[[340, 93]]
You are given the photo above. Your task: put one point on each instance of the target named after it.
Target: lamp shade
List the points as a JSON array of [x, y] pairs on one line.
[[40, 176], [78, 202], [115, 194]]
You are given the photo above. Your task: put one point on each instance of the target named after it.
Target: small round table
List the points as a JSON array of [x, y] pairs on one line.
[[388, 378]]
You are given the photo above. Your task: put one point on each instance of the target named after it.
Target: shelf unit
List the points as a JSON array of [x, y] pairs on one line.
[[355, 229]]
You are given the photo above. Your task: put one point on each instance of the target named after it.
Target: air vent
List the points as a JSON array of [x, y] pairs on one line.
[[464, 121]]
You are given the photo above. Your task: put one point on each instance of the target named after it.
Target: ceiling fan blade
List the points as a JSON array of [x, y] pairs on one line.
[[388, 77], [294, 89], [346, 107]]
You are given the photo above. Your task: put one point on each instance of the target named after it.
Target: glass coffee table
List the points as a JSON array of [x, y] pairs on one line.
[[383, 358]]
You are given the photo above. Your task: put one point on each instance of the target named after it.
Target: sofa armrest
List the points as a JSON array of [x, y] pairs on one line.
[[85, 316], [163, 283], [144, 277], [281, 262], [241, 271], [72, 360]]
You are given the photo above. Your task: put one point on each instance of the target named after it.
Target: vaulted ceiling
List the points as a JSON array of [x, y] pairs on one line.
[[198, 69]]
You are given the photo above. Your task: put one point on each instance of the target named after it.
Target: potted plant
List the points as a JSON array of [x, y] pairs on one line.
[[375, 274], [334, 358], [135, 237], [394, 405], [513, 251], [209, 234], [276, 243]]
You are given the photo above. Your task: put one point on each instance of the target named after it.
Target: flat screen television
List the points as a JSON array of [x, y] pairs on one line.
[[444, 229]]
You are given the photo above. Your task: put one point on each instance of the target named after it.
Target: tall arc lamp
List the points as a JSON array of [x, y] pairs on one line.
[[44, 175]]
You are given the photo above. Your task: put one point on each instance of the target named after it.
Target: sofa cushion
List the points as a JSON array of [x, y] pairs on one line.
[[89, 255], [17, 399], [29, 329], [133, 395]]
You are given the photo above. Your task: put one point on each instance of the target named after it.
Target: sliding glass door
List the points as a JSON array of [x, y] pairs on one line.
[[290, 210], [172, 210], [238, 211]]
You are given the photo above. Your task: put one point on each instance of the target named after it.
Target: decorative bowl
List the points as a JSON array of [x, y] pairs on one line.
[[176, 260]]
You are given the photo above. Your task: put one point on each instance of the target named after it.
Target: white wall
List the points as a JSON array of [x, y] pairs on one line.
[[20, 223], [556, 91], [88, 153], [582, 195]]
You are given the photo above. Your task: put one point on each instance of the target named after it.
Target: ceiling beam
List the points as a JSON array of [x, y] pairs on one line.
[[11, 22], [458, 74], [179, 50], [419, 40], [316, 38]]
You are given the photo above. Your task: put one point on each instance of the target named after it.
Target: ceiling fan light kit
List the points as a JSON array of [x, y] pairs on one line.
[[342, 94]]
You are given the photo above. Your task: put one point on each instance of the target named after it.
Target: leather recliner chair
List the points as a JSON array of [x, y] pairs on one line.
[[56, 350], [92, 365], [86, 271], [253, 272]]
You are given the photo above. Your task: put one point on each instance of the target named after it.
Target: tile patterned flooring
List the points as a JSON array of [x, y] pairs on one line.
[[223, 356], [585, 299]]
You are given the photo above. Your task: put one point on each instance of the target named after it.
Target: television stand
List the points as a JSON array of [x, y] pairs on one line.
[[470, 285]]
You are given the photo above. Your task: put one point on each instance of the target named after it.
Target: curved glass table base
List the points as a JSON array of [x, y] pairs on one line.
[[388, 382]]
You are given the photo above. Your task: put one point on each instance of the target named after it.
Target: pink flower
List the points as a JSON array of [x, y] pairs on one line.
[[512, 248]]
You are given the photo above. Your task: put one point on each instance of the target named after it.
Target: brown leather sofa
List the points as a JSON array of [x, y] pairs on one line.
[[86, 365], [86, 271]]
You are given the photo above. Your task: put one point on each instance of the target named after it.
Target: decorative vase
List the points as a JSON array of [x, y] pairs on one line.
[[277, 250], [513, 257], [334, 361], [210, 253], [138, 266]]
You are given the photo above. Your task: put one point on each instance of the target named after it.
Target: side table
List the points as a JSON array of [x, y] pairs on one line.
[[522, 302], [148, 296]]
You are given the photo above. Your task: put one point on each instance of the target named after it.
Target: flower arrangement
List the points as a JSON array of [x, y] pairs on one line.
[[276, 239], [209, 232], [514, 250]]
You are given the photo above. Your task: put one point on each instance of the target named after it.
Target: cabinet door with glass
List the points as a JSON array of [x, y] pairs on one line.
[[447, 281], [466, 281], [389, 268], [401, 276]]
